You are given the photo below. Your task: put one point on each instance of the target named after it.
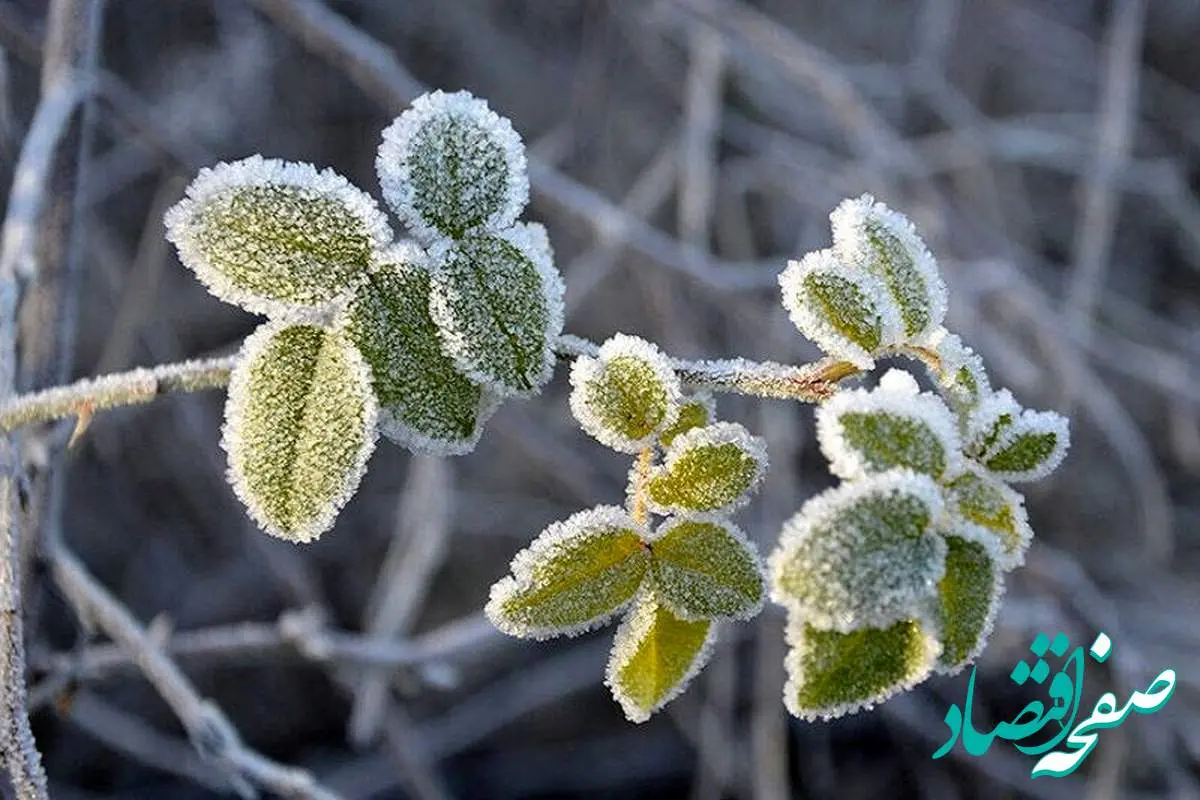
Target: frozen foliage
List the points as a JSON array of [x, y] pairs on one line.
[[968, 599], [274, 237], [627, 395], [299, 427], [871, 237], [864, 554], [425, 403], [714, 468], [831, 674], [1029, 448], [962, 377], [497, 301], [450, 165], [655, 655], [846, 311], [575, 576], [695, 411], [894, 425], [705, 568], [986, 510]]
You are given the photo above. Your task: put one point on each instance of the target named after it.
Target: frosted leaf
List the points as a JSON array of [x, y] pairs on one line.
[[714, 468], [705, 568], [968, 599], [497, 301], [573, 577], [695, 411], [987, 421], [893, 425], [449, 165], [991, 513], [846, 311], [299, 427], [654, 656], [831, 673], [625, 396], [862, 554], [962, 379], [1030, 448], [274, 237], [425, 403], [871, 237]]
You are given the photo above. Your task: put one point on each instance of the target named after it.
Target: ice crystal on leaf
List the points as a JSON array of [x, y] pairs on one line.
[[869, 236], [450, 165], [705, 568], [274, 237], [299, 427], [991, 513], [695, 411], [625, 396], [968, 599], [714, 468], [862, 554], [1030, 448], [962, 377]]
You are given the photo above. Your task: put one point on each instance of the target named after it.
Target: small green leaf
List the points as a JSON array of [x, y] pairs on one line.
[[276, 238], [299, 427], [707, 569], [425, 403], [988, 421], [995, 514], [655, 654], [497, 301], [1030, 448], [968, 598], [573, 577], [695, 412], [450, 165], [862, 554], [962, 378], [847, 312], [714, 468], [871, 237], [831, 674], [864, 432], [626, 395]]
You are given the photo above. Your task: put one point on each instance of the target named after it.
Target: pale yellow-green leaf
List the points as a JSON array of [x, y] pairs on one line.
[[714, 468], [655, 654], [968, 597], [299, 427], [995, 513], [707, 569], [694, 412]]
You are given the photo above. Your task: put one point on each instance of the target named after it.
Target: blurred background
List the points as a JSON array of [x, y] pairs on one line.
[[682, 151]]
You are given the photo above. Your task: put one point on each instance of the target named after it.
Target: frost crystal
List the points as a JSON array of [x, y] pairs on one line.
[[655, 655], [985, 510], [831, 674], [573, 577], [706, 568], [627, 395], [988, 420], [695, 411], [871, 237], [497, 301], [862, 554], [846, 311], [450, 165], [274, 237], [1030, 448], [299, 427], [425, 404], [714, 468], [968, 600], [962, 378], [894, 425]]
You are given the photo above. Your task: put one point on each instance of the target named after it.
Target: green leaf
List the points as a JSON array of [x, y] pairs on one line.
[[695, 412], [847, 312], [1030, 448], [862, 554], [626, 395], [573, 577], [497, 301], [299, 427], [425, 403], [276, 238], [831, 674], [968, 598], [994, 513], [450, 165], [962, 378], [655, 654], [714, 468], [707, 569], [871, 237], [865, 432]]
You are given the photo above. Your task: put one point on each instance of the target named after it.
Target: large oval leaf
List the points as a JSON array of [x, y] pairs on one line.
[[299, 427], [274, 237], [425, 403], [707, 569], [968, 598]]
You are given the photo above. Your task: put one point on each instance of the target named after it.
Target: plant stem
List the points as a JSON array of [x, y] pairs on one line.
[[645, 461]]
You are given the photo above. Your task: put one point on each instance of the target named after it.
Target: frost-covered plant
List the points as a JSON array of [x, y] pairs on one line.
[[892, 575]]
